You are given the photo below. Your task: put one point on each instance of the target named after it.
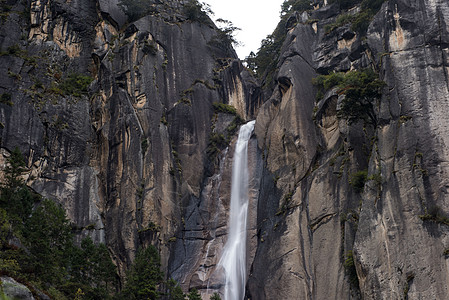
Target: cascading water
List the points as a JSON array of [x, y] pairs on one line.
[[233, 259]]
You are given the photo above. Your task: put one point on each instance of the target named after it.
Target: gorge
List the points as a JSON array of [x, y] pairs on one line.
[[127, 116]]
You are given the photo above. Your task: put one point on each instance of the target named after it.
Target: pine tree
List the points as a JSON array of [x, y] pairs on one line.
[[194, 295], [144, 276]]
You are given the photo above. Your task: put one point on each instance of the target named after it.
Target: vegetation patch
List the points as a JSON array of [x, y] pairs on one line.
[[197, 12], [436, 215], [224, 108], [360, 21], [351, 271], [5, 98], [361, 89], [264, 62], [225, 37], [75, 85], [358, 180]]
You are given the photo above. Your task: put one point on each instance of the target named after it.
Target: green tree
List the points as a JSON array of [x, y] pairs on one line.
[[174, 291], [215, 296], [144, 276], [92, 266], [194, 295], [15, 196], [361, 90], [198, 12], [49, 239]]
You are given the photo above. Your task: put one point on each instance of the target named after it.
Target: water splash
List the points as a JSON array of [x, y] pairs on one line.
[[233, 259]]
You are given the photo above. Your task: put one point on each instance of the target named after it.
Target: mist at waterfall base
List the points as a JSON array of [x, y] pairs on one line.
[[233, 259]]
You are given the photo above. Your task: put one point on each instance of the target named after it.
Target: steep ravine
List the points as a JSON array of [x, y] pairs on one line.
[[145, 157]]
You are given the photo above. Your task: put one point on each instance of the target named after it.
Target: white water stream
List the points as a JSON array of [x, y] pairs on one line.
[[233, 259]]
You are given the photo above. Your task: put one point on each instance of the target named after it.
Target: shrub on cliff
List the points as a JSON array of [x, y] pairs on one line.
[[361, 89], [198, 12]]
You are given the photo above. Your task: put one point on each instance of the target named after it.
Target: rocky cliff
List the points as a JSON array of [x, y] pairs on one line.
[[314, 225], [121, 122]]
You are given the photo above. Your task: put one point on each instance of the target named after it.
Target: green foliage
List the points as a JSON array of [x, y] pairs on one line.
[[5, 98], [15, 197], [224, 108], [75, 84], [225, 37], [51, 260], [136, 9], [340, 21], [264, 63], [435, 214], [92, 269], [361, 89], [215, 296], [194, 295], [174, 291], [49, 238], [350, 268], [360, 21], [144, 276], [326, 82], [198, 12], [344, 4], [358, 180]]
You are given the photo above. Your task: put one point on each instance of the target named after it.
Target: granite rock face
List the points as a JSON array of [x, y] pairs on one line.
[[313, 224]]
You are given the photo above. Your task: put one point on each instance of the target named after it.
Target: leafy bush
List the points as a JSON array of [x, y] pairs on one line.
[[358, 180], [360, 21], [194, 295], [350, 268], [225, 38], [361, 89], [264, 63], [435, 214], [224, 108], [198, 12], [75, 84], [174, 291], [215, 296]]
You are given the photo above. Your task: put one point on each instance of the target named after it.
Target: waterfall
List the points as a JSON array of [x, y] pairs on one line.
[[233, 259]]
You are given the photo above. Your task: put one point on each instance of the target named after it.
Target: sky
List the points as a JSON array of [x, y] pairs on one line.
[[255, 18]]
